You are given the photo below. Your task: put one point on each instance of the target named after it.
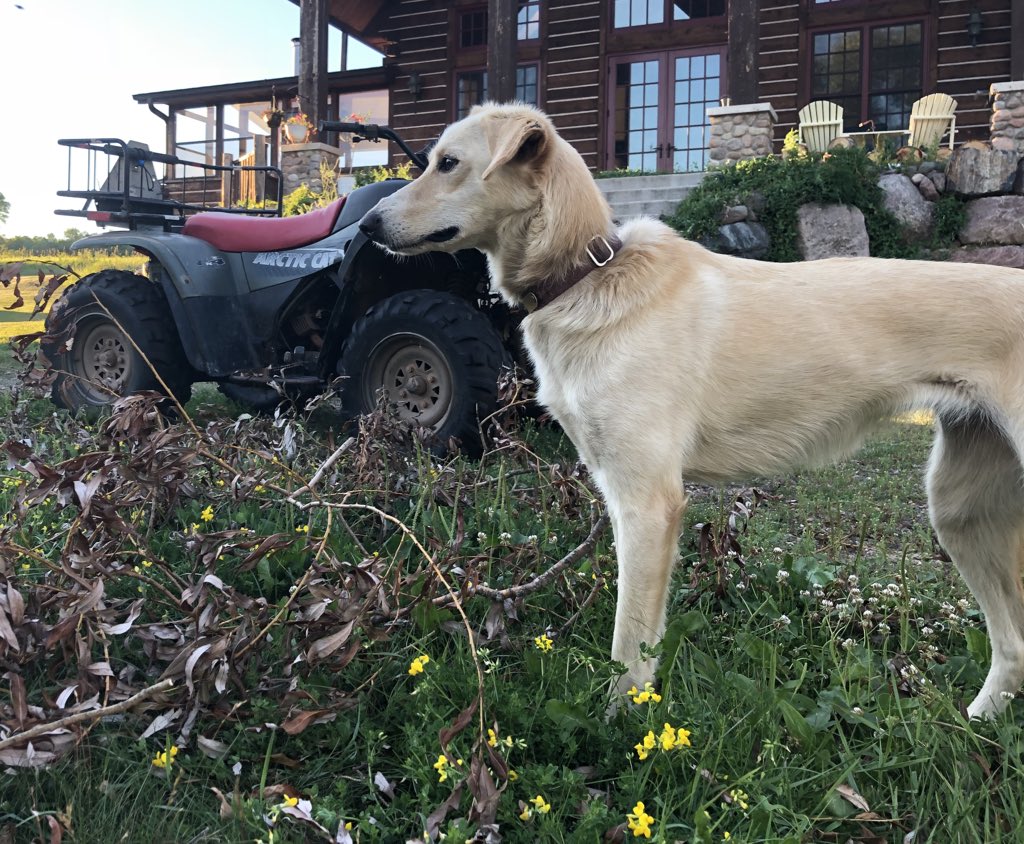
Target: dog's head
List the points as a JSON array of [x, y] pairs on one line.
[[483, 171]]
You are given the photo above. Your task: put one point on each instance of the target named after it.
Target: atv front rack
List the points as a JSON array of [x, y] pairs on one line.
[[118, 182]]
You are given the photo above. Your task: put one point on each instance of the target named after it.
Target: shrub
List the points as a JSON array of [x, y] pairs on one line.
[[842, 176]]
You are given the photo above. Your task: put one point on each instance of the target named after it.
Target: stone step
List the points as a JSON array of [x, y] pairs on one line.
[[687, 180], [653, 196], [624, 211]]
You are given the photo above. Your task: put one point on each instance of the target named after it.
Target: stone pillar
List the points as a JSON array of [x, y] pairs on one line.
[[300, 165], [739, 132], [1008, 116]]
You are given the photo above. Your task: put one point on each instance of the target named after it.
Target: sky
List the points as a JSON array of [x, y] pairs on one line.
[[69, 68]]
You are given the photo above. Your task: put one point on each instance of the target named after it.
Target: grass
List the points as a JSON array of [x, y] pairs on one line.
[[15, 320], [819, 668]]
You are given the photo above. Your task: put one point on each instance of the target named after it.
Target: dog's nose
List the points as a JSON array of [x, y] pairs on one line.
[[371, 223]]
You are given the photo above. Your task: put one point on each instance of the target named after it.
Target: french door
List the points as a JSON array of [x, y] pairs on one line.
[[659, 103]]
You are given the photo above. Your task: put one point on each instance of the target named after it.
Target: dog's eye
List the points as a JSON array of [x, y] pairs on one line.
[[447, 164]]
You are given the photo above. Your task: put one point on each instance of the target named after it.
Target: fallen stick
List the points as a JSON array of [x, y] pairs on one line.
[[78, 717]]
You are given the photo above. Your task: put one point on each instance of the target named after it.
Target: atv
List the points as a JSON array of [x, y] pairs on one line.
[[271, 308]]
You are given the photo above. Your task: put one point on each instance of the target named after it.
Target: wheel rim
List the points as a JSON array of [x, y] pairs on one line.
[[415, 377], [103, 358]]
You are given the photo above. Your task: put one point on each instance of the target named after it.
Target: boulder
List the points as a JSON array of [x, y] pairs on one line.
[[827, 231], [734, 214], [1000, 256], [903, 200], [938, 178], [981, 171], [743, 239], [928, 190], [994, 220]]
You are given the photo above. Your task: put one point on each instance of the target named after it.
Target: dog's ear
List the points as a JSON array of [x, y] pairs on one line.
[[520, 140]]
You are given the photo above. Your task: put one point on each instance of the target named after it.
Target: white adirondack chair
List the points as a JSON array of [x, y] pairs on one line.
[[930, 118], [821, 122]]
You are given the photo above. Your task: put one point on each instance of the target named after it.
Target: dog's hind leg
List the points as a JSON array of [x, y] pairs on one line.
[[646, 505], [976, 500]]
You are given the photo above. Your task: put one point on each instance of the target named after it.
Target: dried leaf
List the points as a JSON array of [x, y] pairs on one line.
[[852, 797], [460, 723], [212, 748], [297, 724], [329, 644], [226, 812], [383, 785]]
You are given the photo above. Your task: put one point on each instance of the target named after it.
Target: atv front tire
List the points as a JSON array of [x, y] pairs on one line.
[[100, 363], [434, 356]]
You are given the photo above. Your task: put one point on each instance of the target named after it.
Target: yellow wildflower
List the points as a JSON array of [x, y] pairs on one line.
[[740, 798], [492, 737], [259, 488], [302, 529], [646, 696], [541, 804], [290, 801], [644, 747], [207, 514], [544, 642], [416, 666], [441, 766], [512, 775], [639, 821], [147, 563], [727, 836], [165, 758], [219, 482]]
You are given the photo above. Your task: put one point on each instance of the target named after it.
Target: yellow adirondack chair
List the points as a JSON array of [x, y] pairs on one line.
[[821, 122], [930, 118]]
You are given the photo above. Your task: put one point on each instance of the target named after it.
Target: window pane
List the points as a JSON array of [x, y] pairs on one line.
[[697, 83], [636, 115], [528, 20], [896, 60], [470, 90], [526, 84], [836, 72], [473, 28]]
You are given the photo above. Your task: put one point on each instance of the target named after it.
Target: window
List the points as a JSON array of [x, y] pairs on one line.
[[660, 109], [471, 88], [684, 10], [473, 28], [526, 84], [874, 72], [528, 21], [650, 12]]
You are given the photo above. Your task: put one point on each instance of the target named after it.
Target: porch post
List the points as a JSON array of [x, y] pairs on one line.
[[313, 59], [501, 50], [741, 57]]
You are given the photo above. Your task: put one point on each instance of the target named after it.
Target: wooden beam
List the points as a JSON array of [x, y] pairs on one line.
[[501, 50], [1017, 40], [741, 58], [313, 27]]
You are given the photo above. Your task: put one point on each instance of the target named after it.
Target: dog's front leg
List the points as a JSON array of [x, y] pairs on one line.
[[646, 510]]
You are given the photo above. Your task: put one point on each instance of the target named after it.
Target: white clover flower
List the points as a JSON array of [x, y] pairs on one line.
[[782, 576], [784, 620]]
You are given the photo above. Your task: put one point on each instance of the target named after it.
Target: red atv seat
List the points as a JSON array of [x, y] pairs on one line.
[[238, 233]]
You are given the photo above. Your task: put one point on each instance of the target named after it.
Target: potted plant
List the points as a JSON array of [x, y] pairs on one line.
[[298, 128], [273, 117]]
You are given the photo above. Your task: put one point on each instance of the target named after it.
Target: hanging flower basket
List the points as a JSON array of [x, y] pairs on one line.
[[298, 128]]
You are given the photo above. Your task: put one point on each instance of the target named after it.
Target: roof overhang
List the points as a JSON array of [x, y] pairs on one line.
[[361, 18], [340, 81]]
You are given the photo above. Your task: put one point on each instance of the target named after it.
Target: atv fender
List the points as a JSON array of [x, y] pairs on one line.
[[192, 268]]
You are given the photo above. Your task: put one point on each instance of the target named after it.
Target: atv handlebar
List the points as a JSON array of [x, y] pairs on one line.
[[373, 132]]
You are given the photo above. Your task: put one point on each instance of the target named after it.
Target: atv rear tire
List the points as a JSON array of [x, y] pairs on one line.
[[102, 363], [435, 356]]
